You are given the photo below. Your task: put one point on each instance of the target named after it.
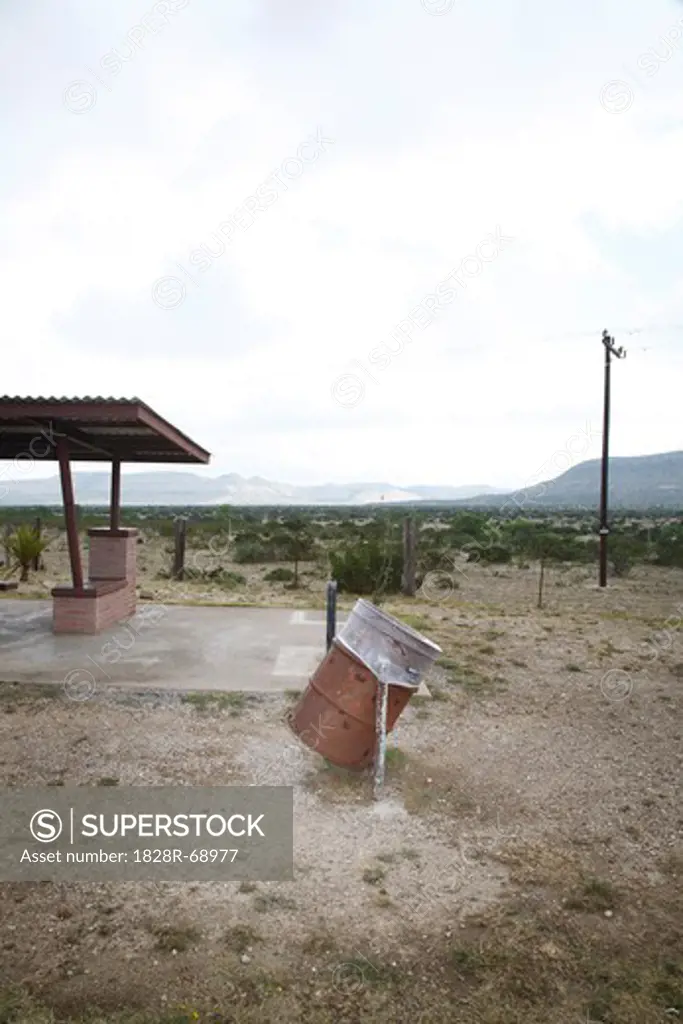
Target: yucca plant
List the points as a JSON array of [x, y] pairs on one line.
[[25, 546]]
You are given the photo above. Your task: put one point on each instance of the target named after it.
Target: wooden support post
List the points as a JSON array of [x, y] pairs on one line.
[[180, 541], [409, 557], [331, 612], [37, 561], [115, 507], [70, 513]]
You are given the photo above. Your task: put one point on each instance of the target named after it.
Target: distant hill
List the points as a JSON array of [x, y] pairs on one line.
[[164, 488], [635, 482], [638, 482]]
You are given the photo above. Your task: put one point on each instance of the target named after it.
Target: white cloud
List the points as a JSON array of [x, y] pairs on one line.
[[444, 128]]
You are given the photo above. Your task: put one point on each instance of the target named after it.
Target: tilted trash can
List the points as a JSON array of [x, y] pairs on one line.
[[337, 714]]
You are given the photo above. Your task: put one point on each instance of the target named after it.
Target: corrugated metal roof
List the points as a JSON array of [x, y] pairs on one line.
[[123, 429], [23, 400]]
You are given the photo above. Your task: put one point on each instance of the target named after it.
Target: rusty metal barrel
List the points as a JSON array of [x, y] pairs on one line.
[[396, 653], [337, 714]]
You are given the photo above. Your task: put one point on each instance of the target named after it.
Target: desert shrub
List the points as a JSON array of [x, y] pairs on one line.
[[25, 546], [562, 548], [368, 567], [466, 527], [531, 539], [224, 577], [250, 552], [279, 575], [521, 535], [289, 541], [624, 552], [588, 548], [669, 546], [491, 554], [430, 557], [229, 579]]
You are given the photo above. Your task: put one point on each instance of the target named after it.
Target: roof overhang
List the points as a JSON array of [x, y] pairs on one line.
[[96, 430]]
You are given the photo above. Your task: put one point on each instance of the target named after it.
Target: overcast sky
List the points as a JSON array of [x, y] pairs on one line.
[[227, 209]]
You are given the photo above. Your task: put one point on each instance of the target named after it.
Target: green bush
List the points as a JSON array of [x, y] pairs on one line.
[[290, 541], [250, 552], [669, 546], [624, 552], [25, 546], [224, 577], [431, 558], [467, 526], [229, 579], [530, 539], [279, 575], [492, 554], [368, 567]]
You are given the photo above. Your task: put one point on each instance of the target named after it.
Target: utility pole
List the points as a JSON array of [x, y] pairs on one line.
[[610, 351]]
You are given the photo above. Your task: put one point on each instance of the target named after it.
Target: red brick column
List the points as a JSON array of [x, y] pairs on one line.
[[113, 556], [109, 596]]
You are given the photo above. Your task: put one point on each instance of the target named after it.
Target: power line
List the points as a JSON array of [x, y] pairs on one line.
[[653, 328]]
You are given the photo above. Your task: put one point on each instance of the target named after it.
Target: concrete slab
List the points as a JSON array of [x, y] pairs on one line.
[[255, 650], [162, 647]]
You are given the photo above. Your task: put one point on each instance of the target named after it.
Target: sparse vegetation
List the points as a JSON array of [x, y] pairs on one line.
[[241, 937], [265, 901], [362, 548], [279, 575], [25, 548], [179, 937], [367, 567], [395, 758], [594, 896], [374, 875], [586, 925], [216, 701]]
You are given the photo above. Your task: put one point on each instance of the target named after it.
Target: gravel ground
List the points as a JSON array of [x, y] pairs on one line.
[[549, 754]]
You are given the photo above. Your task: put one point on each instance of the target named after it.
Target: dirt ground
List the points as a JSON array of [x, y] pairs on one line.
[[524, 865]]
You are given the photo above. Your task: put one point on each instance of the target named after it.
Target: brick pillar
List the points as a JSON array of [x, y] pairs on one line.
[[113, 556]]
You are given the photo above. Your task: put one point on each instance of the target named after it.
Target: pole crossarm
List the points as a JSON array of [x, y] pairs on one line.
[[608, 342]]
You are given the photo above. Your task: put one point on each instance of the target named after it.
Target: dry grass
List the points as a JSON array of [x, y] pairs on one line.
[[339, 785], [176, 938], [523, 964], [234, 702], [241, 937]]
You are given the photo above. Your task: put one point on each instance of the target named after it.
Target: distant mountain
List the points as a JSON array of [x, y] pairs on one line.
[[451, 493], [639, 482], [164, 488], [635, 482]]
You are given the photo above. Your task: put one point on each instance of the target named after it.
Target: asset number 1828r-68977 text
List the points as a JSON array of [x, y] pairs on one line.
[[179, 856]]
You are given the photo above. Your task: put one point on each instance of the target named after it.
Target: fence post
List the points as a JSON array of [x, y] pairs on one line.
[[331, 612], [409, 557], [8, 534], [37, 561], [180, 536]]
